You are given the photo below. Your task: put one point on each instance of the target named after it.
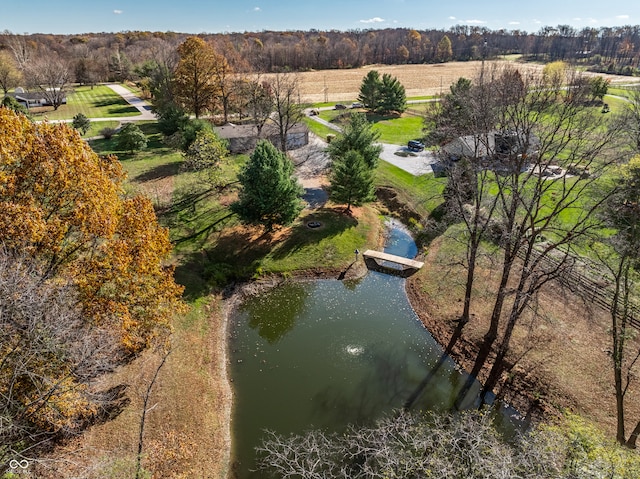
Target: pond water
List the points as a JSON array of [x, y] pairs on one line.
[[327, 353]]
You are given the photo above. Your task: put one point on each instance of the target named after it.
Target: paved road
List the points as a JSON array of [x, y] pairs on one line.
[[415, 163], [143, 107]]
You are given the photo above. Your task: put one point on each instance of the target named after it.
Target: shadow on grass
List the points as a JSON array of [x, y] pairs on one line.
[[123, 110], [377, 117], [104, 102], [333, 222], [237, 254], [159, 172], [372, 117], [235, 257]]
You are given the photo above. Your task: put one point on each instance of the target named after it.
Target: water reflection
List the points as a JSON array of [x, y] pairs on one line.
[[325, 354], [274, 315]]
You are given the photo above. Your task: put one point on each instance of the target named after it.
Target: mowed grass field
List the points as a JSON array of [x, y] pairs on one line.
[[97, 102], [394, 130]]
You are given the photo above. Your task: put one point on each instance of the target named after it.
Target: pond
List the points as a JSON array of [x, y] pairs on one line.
[[327, 353]]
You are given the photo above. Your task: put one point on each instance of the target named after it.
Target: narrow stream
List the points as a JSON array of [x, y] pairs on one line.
[[327, 353]]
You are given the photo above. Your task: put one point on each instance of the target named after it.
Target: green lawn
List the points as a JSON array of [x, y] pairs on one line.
[[394, 130], [319, 129], [97, 102], [97, 126], [398, 131], [156, 153]]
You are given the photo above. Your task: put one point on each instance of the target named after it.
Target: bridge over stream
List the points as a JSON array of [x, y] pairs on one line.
[[378, 261]]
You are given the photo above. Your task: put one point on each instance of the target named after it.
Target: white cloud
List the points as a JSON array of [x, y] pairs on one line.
[[622, 17], [452, 18], [475, 22], [373, 20], [256, 9], [514, 23], [537, 22], [117, 12]]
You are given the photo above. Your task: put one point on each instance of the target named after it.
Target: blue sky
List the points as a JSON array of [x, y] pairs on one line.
[[213, 16]]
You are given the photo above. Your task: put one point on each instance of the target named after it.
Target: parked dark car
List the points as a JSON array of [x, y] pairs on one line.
[[340, 106], [415, 145]]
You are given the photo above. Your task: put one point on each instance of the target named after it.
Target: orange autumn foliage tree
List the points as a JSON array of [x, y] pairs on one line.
[[64, 205]]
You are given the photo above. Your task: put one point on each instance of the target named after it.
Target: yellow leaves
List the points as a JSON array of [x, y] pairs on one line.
[[66, 405], [64, 204], [50, 171], [21, 224], [128, 271]]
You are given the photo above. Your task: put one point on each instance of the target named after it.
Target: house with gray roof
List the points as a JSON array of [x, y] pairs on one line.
[[492, 147], [33, 99], [243, 138]]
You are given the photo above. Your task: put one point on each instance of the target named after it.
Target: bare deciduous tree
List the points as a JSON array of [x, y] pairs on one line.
[[49, 357], [533, 160], [10, 76], [620, 260], [413, 446], [258, 99], [51, 76], [288, 111]]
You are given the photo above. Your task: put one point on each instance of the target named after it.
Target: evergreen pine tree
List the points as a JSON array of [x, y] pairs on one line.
[[270, 193], [351, 180], [370, 90], [131, 138], [357, 135], [392, 95]]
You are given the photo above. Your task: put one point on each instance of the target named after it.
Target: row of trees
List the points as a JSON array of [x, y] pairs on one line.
[[123, 56], [518, 129]]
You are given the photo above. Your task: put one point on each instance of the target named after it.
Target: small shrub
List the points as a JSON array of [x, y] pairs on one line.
[[108, 133], [81, 123], [131, 138]]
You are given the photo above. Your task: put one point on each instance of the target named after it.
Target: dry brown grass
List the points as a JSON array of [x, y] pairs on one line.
[[187, 428], [418, 80], [568, 366]]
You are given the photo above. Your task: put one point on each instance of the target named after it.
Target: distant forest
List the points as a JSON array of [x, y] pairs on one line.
[[96, 57]]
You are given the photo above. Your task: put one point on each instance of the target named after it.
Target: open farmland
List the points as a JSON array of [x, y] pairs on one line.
[[418, 80]]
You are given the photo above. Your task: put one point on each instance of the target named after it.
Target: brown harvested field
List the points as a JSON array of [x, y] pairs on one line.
[[418, 80]]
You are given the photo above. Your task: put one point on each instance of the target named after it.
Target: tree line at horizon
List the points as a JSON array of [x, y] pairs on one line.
[[123, 56]]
